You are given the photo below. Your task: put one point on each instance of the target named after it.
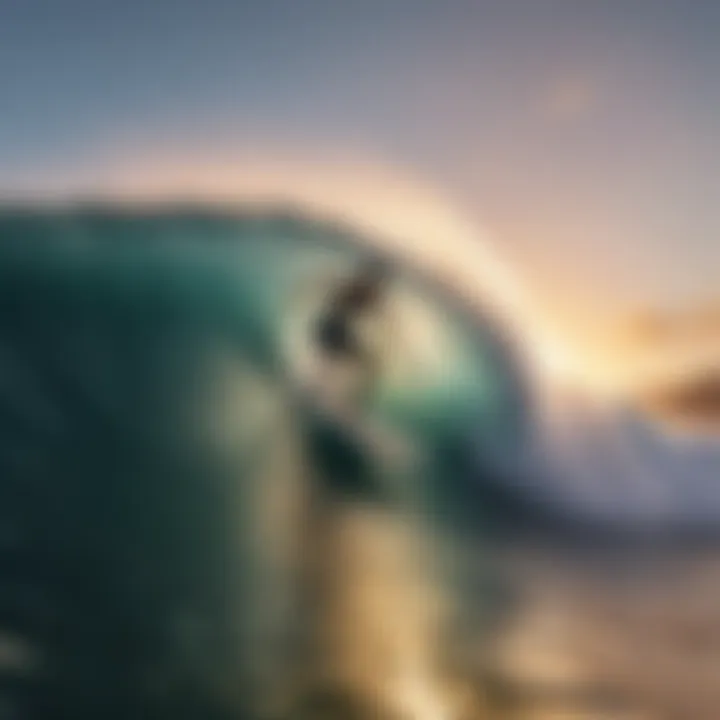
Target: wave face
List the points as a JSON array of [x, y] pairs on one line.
[[163, 469], [156, 463]]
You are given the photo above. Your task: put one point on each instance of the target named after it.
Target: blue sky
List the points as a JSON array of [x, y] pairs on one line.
[[583, 134]]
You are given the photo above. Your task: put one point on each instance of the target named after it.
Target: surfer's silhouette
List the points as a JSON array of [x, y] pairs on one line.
[[350, 335], [349, 441], [337, 332]]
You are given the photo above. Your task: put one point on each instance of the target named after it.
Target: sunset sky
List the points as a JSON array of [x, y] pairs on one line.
[[583, 135]]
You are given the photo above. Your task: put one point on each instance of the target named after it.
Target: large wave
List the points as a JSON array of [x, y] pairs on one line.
[[154, 453], [151, 434]]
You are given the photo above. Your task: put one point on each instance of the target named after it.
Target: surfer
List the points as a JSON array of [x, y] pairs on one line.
[[338, 330], [352, 360], [352, 443]]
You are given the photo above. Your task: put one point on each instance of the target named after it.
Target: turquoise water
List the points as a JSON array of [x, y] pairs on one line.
[[140, 353]]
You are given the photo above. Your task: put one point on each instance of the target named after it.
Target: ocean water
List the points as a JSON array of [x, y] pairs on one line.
[[187, 532]]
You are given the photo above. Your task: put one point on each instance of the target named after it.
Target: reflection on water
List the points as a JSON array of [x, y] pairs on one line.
[[615, 635]]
